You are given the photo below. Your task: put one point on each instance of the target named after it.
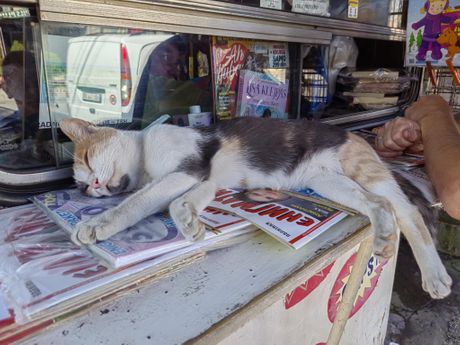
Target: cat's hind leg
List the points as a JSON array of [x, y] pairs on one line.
[[360, 162], [343, 190], [185, 210]]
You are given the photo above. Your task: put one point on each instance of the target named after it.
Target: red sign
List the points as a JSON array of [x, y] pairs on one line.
[[304, 289], [368, 284], [231, 63]]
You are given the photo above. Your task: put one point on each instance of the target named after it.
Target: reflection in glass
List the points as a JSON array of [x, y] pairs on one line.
[[22, 144], [125, 78]]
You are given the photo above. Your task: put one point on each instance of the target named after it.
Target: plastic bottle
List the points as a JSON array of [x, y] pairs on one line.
[[196, 118]]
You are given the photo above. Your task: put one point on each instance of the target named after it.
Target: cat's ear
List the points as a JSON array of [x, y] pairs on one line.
[[77, 129]]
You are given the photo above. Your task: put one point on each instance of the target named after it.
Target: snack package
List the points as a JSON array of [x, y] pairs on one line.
[[372, 89]]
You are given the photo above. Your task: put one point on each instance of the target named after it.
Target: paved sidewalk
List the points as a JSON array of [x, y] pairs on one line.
[[416, 319]]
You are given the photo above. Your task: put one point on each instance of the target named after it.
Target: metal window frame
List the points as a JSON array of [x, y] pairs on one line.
[[212, 18], [19, 2]]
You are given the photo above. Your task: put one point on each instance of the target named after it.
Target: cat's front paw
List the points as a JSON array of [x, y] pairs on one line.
[[438, 286], [89, 232], [437, 281], [186, 219]]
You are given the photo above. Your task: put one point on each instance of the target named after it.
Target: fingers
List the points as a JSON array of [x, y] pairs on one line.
[[396, 136]]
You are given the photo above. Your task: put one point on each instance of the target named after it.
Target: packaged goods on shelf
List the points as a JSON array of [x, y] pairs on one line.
[[364, 11], [230, 55], [372, 89]]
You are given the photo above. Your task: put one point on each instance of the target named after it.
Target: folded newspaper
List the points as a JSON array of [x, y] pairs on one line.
[[152, 236], [294, 218]]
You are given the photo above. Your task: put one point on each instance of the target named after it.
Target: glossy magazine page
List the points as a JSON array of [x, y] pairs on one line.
[[294, 219], [152, 236], [46, 273]]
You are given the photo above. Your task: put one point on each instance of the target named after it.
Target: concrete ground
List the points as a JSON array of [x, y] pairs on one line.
[[416, 319]]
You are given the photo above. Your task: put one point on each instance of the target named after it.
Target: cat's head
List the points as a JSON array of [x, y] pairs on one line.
[[106, 160]]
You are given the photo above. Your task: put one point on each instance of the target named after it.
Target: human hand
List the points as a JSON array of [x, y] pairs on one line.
[[432, 105], [397, 136]]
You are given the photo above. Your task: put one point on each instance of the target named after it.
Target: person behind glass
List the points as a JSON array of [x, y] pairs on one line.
[[165, 60], [19, 68], [429, 126], [169, 88]]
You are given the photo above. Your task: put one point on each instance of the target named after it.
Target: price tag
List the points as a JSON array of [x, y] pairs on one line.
[[275, 4], [353, 6]]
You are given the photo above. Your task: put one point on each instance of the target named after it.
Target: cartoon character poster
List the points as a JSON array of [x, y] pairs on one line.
[[433, 33]]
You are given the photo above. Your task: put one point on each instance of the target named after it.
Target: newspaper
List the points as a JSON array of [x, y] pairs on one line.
[[293, 218], [152, 236]]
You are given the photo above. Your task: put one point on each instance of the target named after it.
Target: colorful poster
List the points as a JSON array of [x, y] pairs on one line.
[[433, 28]]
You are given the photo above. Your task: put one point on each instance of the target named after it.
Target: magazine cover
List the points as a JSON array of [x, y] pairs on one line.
[[230, 55], [432, 32], [292, 218], [25, 223], [261, 96], [216, 219], [45, 270], [152, 236]]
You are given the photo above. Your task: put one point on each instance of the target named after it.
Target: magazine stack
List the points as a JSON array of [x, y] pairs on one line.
[[45, 277]]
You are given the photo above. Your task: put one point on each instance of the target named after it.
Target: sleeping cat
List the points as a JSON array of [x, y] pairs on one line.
[[183, 167]]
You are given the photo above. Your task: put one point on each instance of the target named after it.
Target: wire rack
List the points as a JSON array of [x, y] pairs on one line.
[[444, 86]]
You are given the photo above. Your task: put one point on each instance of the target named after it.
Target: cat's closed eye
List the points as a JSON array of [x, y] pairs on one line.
[[82, 186], [86, 160]]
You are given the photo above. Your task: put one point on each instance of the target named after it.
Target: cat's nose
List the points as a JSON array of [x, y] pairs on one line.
[[96, 184]]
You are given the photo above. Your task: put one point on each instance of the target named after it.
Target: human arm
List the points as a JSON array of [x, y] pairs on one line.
[[441, 141], [429, 121]]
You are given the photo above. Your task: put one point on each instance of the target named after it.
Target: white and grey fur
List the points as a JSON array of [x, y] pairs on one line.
[[183, 167]]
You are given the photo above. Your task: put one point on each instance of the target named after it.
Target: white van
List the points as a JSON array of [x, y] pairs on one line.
[[103, 74]]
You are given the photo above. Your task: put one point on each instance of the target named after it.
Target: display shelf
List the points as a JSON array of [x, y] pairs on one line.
[[212, 18]]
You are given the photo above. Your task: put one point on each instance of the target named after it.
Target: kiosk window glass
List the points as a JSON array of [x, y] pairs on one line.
[[125, 78], [132, 78], [24, 142]]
